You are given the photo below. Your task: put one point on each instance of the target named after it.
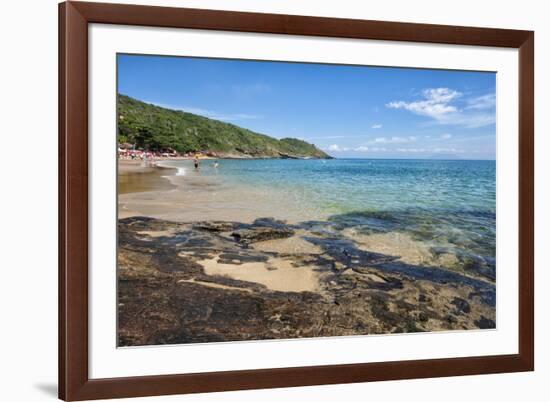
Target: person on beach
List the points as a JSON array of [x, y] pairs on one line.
[[196, 162]]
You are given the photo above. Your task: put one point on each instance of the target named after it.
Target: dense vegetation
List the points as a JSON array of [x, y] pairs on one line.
[[155, 128]]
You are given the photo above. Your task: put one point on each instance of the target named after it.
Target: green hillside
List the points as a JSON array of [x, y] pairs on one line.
[[153, 127]]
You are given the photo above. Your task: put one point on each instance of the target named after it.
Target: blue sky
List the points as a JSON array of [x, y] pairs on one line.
[[348, 111]]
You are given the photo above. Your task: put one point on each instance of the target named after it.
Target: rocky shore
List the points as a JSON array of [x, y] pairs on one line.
[[217, 281]]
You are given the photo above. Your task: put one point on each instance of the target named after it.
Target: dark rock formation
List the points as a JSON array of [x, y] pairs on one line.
[[253, 235], [165, 295]]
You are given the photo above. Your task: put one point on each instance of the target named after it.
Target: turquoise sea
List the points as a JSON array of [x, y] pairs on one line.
[[449, 203]]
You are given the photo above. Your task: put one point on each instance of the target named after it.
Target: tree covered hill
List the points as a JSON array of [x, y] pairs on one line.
[[155, 128]]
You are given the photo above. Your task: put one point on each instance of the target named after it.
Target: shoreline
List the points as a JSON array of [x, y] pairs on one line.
[[134, 177], [225, 262], [187, 195], [189, 198]]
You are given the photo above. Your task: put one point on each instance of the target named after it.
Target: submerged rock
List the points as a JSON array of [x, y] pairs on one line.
[[261, 233], [215, 226], [485, 323]]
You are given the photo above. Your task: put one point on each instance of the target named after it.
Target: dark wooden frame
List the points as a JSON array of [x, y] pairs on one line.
[[74, 17]]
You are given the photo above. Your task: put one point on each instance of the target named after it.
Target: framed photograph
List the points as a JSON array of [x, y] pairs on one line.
[[259, 200]]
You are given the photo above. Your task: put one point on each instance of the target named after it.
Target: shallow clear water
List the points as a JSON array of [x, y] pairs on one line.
[[343, 185], [450, 204]]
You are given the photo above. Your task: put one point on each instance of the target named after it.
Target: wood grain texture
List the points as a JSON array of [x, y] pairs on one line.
[[298, 25], [73, 201], [526, 262], [74, 382]]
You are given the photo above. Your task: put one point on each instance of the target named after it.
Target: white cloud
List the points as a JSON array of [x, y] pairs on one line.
[[448, 150], [430, 150], [337, 148], [220, 116], [333, 137], [472, 121], [209, 113], [440, 104], [393, 140], [436, 103], [482, 102], [190, 109], [441, 95], [376, 126], [328, 137], [411, 150], [445, 136]]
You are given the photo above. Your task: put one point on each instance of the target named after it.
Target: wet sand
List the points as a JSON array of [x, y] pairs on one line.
[[136, 177], [164, 193], [276, 274]]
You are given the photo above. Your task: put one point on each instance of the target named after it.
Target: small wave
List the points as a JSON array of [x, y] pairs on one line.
[[164, 165], [180, 172]]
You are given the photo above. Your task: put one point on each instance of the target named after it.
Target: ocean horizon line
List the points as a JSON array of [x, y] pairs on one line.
[[417, 159], [362, 158]]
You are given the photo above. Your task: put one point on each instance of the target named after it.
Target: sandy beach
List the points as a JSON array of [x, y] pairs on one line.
[[188, 195], [134, 176]]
